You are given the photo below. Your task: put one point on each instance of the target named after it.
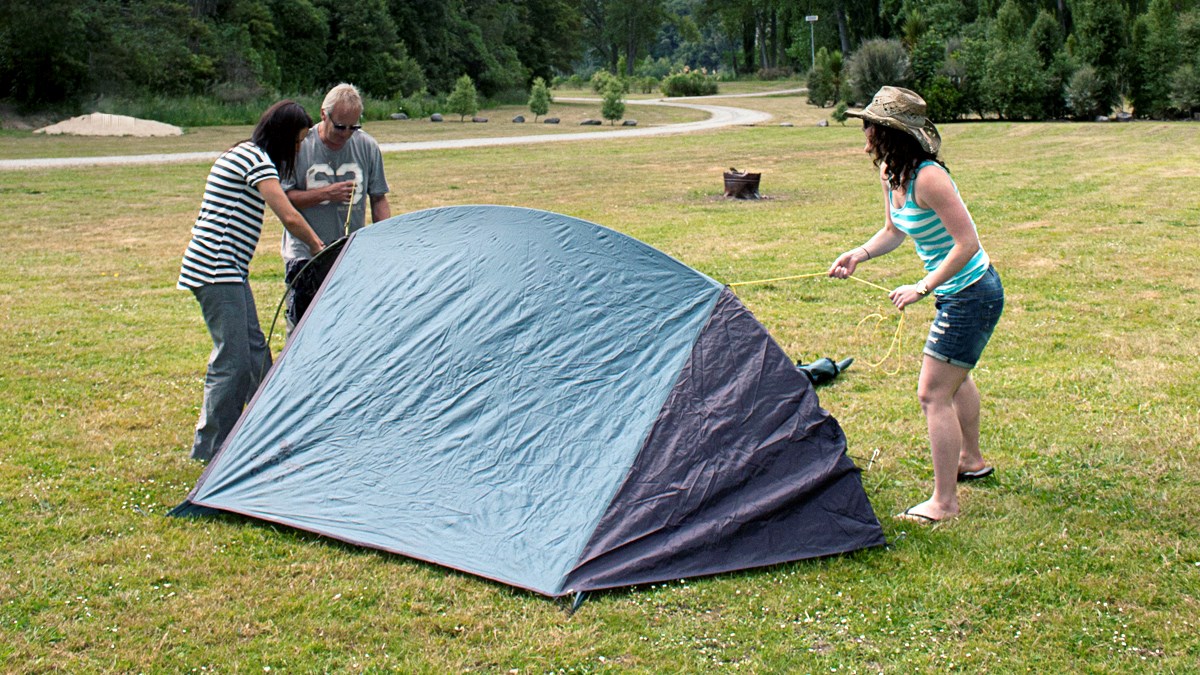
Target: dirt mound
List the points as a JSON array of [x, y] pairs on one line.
[[103, 124]]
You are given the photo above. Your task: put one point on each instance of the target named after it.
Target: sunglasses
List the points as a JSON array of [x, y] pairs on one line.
[[343, 127]]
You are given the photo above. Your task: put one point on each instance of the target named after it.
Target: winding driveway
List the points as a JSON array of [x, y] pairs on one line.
[[719, 116]]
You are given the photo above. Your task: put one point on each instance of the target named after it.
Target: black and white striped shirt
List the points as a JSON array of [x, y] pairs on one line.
[[230, 221]]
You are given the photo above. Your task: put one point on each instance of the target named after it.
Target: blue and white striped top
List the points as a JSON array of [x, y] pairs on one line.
[[933, 241], [230, 221]]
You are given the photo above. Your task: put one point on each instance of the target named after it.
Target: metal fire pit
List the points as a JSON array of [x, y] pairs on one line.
[[741, 185]]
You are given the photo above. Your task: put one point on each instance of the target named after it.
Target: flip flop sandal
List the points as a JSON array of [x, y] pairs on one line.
[[966, 476], [919, 518]]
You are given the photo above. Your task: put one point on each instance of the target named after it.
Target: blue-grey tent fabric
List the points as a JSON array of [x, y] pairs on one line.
[[473, 387], [470, 388], [743, 469]]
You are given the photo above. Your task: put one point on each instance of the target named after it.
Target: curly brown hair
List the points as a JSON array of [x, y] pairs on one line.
[[900, 152]]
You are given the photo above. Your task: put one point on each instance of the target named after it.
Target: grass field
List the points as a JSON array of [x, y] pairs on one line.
[[1082, 556]]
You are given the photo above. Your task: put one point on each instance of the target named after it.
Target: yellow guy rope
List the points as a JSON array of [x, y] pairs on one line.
[[892, 345], [350, 208]]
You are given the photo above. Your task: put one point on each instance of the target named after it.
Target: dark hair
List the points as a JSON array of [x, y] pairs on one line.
[[277, 131], [900, 151]]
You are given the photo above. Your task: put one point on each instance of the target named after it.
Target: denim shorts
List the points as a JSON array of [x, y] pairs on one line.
[[965, 321]]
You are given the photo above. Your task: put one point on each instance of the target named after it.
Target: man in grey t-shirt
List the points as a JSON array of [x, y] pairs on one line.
[[339, 170]]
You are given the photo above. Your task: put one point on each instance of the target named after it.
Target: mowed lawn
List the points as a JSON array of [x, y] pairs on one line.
[[1082, 555]]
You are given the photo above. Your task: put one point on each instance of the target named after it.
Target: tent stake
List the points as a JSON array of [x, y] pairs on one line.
[[579, 599]]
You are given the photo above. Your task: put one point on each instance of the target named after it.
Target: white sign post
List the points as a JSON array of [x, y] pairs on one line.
[[812, 42]]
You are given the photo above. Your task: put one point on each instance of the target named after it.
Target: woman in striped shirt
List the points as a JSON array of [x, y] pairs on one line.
[[922, 202], [216, 265]]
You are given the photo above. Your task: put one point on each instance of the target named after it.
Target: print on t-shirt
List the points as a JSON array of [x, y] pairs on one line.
[[321, 175]]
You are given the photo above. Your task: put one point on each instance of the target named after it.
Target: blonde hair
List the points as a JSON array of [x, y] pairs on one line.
[[343, 93]]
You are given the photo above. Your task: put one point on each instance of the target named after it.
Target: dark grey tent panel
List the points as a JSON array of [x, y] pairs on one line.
[[743, 469], [496, 389]]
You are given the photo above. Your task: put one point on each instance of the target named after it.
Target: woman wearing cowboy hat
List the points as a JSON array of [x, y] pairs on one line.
[[921, 201]]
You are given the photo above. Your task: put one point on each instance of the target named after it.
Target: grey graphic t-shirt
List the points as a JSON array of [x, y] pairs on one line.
[[317, 166]]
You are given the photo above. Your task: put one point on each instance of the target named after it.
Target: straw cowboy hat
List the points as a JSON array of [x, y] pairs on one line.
[[902, 109]]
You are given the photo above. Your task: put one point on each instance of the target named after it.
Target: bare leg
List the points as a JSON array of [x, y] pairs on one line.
[[937, 389], [966, 405]]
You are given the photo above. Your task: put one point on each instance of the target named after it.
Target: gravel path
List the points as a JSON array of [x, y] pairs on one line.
[[719, 116]]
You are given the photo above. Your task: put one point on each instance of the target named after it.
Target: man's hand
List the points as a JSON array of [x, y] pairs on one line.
[[341, 192]]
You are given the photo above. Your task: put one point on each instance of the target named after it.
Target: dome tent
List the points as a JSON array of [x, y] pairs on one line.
[[544, 402]]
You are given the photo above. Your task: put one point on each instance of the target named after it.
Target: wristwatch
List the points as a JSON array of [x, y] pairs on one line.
[[922, 288]]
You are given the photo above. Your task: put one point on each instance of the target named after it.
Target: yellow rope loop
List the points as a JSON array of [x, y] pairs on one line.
[[893, 344]]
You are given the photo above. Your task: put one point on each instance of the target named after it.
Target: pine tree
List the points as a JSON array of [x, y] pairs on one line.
[[539, 98], [462, 100], [613, 107]]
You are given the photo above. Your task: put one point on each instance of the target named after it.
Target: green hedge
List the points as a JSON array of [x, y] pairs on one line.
[[689, 83]]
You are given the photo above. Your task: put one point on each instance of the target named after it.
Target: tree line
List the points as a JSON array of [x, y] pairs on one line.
[[1027, 59], [1021, 59], [67, 51]]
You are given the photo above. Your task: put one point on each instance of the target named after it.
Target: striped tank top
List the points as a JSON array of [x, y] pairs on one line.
[[931, 239]]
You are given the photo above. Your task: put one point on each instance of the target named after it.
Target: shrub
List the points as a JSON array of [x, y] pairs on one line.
[[1185, 88], [1085, 94], [646, 85], [374, 108], [825, 79], [418, 104], [462, 100], [774, 73], [539, 98], [839, 112], [819, 93], [944, 102], [613, 107], [877, 62], [601, 79], [689, 83]]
